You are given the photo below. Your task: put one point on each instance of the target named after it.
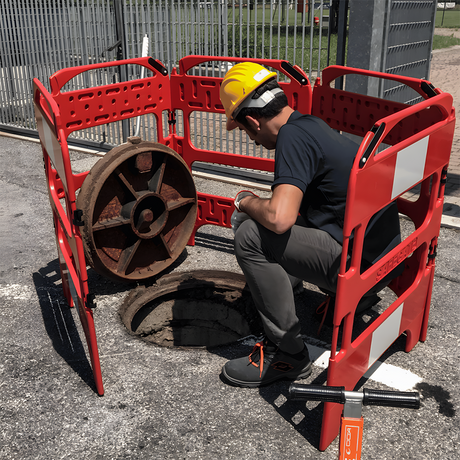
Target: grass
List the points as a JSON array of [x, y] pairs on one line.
[[442, 41], [277, 40], [297, 51], [448, 18]]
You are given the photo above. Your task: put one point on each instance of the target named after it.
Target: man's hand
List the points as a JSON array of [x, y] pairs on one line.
[[238, 217], [278, 213], [240, 196]]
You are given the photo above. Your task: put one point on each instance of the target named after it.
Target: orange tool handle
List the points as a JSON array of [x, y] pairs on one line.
[[351, 438]]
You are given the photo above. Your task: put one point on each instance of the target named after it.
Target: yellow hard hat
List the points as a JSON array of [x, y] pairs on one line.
[[239, 82]]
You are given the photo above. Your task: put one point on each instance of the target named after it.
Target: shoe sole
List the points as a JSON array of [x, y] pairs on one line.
[[287, 376]]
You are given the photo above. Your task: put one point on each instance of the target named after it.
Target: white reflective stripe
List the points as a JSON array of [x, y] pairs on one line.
[[385, 335], [52, 144], [48, 141], [410, 166]]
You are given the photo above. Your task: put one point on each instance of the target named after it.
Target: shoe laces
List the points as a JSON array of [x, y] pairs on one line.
[[258, 348]]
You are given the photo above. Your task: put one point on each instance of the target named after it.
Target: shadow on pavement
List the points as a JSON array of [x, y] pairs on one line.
[[214, 242], [453, 182], [450, 209], [304, 417], [59, 323]]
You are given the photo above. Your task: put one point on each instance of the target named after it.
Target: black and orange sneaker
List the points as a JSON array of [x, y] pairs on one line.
[[266, 364]]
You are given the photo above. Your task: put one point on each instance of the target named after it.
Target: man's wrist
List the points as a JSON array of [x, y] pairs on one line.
[[241, 202], [241, 196]]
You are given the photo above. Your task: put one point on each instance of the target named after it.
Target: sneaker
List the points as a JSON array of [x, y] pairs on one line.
[[266, 364]]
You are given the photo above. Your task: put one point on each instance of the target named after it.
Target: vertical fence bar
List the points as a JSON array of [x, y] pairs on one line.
[[25, 67], [320, 44], [5, 91], [121, 54]]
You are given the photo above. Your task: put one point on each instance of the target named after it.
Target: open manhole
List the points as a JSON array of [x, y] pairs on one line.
[[192, 309]]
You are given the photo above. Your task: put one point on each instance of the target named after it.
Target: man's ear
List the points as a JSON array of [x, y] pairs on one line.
[[253, 123]]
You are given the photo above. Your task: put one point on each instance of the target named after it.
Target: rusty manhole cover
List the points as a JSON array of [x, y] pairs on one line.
[[193, 309], [139, 208]]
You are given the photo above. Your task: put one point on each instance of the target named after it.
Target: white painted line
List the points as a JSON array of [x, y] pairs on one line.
[[393, 376], [319, 356], [450, 222], [389, 375]]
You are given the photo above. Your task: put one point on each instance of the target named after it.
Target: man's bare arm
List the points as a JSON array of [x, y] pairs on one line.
[[278, 213]]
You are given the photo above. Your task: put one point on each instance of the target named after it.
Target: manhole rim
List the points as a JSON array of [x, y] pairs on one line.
[[141, 296]]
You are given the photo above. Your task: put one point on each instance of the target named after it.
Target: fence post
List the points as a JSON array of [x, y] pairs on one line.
[[121, 54], [400, 38], [342, 36], [367, 25]]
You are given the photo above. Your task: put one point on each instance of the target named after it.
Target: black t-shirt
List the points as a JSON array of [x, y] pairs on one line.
[[318, 160]]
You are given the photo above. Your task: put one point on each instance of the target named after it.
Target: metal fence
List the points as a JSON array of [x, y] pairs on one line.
[[399, 42], [39, 37]]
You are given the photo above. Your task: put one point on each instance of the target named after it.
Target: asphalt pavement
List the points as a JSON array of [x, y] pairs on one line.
[[170, 403]]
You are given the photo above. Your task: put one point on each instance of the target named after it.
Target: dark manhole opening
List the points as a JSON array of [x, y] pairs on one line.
[[192, 309]]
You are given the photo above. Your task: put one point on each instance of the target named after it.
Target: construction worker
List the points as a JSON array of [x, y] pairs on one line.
[[296, 234]]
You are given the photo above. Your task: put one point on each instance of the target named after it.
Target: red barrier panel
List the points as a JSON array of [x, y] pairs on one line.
[[62, 112], [190, 93], [62, 184], [417, 154], [59, 114], [89, 107]]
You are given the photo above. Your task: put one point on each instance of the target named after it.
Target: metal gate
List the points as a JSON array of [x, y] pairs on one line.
[[40, 37]]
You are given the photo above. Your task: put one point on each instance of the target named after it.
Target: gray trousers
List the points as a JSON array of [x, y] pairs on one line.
[[272, 263]]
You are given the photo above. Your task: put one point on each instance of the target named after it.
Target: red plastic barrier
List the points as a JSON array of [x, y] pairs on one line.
[[62, 184], [357, 113], [89, 107], [62, 112], [418, 140], [420, 157], [58, 115], [190, 93]]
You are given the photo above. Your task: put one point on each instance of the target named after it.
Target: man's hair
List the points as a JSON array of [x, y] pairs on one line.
[[271, 110]]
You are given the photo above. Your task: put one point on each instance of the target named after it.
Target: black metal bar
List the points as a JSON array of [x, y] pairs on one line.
[[121, 54], [302, 392], [342, 37]]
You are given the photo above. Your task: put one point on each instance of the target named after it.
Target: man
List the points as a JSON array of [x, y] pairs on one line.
[[297, 232]]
